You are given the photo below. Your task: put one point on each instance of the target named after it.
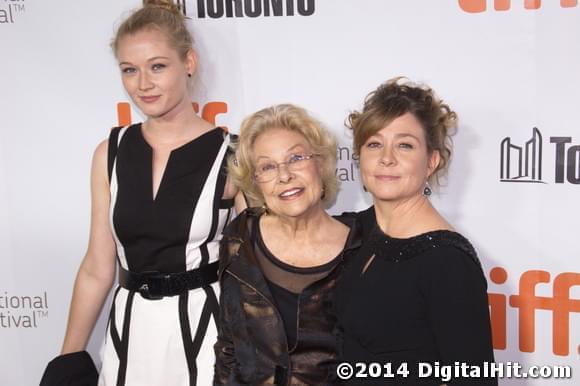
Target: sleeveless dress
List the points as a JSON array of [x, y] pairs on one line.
[[167, 341]]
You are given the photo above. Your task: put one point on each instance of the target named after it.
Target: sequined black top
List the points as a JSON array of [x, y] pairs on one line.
[[421, 299]]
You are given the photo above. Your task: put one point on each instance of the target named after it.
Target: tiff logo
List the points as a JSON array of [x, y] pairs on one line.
[[522, 163], [477, 6], [560, 304]]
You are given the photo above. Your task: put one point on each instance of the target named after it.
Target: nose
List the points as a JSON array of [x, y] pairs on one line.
[[144, 81], [284, 174], [387, 156]]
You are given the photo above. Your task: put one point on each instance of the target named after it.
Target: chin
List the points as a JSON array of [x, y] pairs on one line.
[[291, 212], [294, 210], [385, 196], [381, 191], [152, 111], [148, 111]]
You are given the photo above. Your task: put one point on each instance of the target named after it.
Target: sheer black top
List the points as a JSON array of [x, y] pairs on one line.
[[286, 282]]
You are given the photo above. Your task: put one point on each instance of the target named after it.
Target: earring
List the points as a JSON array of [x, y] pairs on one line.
[[427, 190], [188, 75]]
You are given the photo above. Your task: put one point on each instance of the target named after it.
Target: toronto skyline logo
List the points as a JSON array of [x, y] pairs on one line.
[[522, 163]]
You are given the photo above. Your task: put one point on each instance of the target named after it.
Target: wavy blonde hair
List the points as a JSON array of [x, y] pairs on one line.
[[241, 166], [162, 15]]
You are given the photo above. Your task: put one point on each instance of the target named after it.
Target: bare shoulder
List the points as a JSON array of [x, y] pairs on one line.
[[204, 126], [102, 149], [431, 221], [100, 154], [99, 165], [338, 225], [440, 223], [338, 231]]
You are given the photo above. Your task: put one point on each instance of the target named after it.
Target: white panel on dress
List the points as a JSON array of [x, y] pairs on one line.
[[114, 189], [203, 212]]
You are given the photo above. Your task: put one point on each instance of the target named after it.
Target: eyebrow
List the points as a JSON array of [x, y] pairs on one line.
[[399, 135], [294, 147], [157, 57], [149, 60], [402, 135], [289, 149]]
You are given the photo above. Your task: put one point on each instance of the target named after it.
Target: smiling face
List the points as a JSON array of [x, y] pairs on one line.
[[153, 73], [395, 162], [291, 193]]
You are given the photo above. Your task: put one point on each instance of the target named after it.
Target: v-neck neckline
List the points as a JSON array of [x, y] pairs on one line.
[[154, 195]]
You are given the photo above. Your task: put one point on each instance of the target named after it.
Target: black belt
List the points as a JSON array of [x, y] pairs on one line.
[[156, 285]]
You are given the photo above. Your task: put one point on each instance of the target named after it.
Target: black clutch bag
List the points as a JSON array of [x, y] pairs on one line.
[[74, 369]]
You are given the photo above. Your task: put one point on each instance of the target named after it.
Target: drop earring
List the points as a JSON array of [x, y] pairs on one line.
[[427, 190]]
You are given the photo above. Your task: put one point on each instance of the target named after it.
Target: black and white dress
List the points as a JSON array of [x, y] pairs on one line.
[[167, 341]]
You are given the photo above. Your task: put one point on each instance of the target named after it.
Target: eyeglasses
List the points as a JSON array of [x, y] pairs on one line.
[[267, 171]]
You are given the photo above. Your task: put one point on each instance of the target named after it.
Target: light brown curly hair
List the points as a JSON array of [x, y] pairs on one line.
[[397, 97]]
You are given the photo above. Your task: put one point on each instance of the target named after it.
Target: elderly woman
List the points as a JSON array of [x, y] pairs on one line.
[[279, 263], [415, 292]]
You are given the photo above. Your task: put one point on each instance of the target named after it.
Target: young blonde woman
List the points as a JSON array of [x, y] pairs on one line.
[[160, 200]]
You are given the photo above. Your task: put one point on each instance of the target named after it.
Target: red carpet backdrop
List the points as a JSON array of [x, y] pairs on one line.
[[509, 68]]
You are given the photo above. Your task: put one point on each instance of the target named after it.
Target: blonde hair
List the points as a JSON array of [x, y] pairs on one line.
[[162, 15], [241, 166], [396, 97]]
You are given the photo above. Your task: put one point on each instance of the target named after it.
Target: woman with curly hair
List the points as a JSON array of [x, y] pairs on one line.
[[416, 292]]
